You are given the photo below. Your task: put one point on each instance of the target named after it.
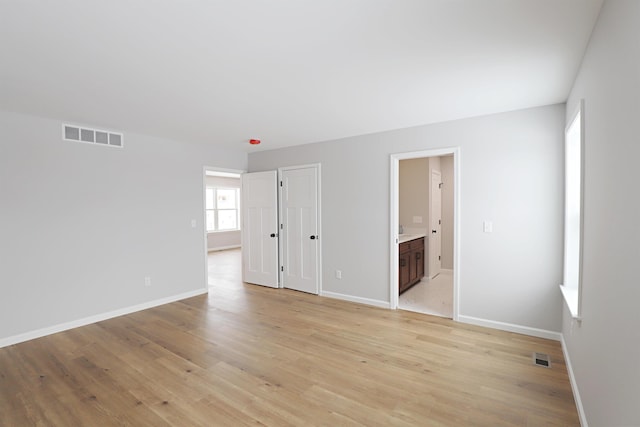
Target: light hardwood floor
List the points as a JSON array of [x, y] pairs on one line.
[[248, 355]]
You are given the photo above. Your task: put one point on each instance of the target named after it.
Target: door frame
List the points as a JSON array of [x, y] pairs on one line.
[[318, 168], [394, 223], [205, 169]]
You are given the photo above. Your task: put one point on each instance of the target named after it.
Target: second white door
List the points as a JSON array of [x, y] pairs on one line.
[[299, 228]]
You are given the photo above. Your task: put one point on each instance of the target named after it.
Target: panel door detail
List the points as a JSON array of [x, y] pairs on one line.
[[260, 228], [300, 247]]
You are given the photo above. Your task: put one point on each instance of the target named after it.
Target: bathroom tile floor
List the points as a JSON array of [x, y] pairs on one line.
[[430, 296]]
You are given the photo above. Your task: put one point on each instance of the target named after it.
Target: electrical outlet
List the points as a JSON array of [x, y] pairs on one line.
[[147, 281], [338, 274]]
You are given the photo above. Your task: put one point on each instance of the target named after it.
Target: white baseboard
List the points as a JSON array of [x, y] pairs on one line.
[[510, 327], [359, 300], [574, 385], [16, 339], [222, 248]]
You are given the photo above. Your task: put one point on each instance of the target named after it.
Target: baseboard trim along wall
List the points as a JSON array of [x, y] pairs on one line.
[[574, 385], [510, 327], [27, 336], [359, 300]]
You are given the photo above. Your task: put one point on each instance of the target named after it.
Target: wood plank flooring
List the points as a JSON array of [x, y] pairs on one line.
[[248, 355]]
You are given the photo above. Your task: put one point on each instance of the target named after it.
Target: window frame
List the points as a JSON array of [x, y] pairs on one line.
[[571, 286], [215, 209]]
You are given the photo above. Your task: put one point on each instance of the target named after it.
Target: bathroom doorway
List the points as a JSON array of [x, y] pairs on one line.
[[424, 232]]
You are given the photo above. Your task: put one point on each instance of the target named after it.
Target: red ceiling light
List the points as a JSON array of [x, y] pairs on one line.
[[254, 141]]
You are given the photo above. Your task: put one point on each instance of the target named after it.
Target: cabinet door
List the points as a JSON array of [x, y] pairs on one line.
[[419, 258], [413, 267], [405, 261]]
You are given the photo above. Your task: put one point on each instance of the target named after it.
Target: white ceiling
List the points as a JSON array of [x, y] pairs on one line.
[[286, 71]]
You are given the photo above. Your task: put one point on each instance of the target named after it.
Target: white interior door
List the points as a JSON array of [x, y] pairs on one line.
[[299, 219], [435, 233], [260, 228]]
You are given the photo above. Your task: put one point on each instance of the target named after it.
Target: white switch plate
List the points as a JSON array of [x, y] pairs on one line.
[[147, 281], [488, 226], [417, 220], [193, 223], [338, 274]]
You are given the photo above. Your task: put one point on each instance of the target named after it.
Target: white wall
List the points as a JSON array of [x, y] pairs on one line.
[[604, 350], [82, 225], [218, 240], [511, 173]]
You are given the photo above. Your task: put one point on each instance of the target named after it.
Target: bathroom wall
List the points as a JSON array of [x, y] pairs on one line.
[[414, 195]]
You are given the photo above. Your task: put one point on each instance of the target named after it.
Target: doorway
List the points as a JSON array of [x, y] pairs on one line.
[[221, 200], [433, 195]]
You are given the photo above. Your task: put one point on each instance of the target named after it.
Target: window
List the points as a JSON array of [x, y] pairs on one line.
[[222, 209], [573, 181]]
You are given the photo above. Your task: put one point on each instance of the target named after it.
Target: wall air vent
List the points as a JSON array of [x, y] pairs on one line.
[[92, 136]]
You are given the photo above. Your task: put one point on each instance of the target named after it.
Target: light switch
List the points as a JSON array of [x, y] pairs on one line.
[[488, 226], [193, 223], [417, 220]]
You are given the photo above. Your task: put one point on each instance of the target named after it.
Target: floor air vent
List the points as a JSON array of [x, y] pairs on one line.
[[92, 136], [541, 359]]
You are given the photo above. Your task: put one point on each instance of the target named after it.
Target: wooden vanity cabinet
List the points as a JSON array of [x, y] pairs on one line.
[[411, 269]]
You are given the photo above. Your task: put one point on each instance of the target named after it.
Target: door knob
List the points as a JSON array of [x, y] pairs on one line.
[[273, 234], [312, 237], [434, 231]]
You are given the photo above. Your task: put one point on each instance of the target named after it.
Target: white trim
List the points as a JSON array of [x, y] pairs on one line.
[[574, 384], [223, 248], [351, 298], [510, 327], [572, 294], [307, 166], [571, 298], [218, 169], [4, 342], [394, 221], [219, 174]]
